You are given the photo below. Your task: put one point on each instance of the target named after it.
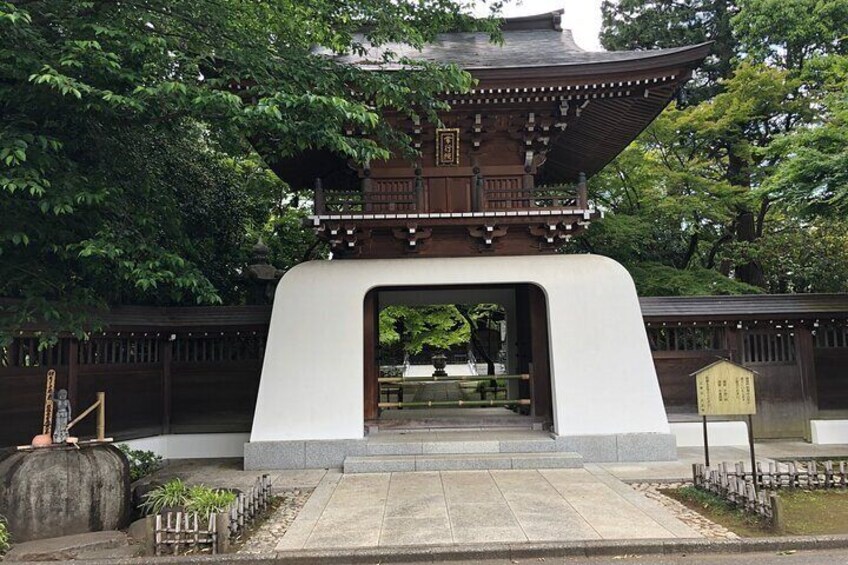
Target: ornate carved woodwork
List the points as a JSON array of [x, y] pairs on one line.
[[413, 236]]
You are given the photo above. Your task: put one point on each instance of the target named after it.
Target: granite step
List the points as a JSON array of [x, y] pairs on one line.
[[462, 461], [461, 443]]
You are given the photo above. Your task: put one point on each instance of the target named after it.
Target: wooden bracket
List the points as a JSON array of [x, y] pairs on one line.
[[487, 234], [413, 235]]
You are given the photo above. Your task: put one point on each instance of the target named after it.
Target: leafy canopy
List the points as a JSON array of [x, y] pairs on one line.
[[125, 176]]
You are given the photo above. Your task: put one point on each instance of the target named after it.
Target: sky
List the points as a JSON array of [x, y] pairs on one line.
[[582, 17]]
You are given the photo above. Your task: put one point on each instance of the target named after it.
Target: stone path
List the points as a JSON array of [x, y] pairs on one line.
[[460, 507]]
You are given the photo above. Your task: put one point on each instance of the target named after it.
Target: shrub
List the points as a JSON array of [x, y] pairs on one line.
[[142, 463], [5, 538], [174, 493], [205, 500]]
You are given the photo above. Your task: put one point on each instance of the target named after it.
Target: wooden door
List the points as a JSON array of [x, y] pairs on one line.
[[450, 194]]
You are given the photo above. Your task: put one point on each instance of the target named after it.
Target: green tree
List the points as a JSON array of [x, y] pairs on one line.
[[123, 126], [724, 170]]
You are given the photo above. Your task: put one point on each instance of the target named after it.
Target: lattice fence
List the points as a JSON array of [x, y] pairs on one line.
[[736, 484], [182, 532]]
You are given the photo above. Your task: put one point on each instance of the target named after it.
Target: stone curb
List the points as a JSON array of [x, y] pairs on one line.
[[480, 552]]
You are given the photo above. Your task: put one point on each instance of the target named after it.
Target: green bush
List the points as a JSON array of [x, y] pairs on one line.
[[176, 494], [142, 463], [205, 500], [172, 494], [5, 538]]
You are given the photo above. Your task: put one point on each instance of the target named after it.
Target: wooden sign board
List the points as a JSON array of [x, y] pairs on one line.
[[725, 389], [447, 147]]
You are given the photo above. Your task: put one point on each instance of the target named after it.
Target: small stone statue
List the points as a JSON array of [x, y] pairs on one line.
[[62, 410]]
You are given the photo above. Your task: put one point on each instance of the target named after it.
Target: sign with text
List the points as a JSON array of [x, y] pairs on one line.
[[725, 389]]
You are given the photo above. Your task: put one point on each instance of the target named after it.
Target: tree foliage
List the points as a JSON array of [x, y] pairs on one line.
[[742, 188], [124, 174]]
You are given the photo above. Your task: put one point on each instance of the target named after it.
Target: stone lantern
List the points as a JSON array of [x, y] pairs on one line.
[[263, 276]]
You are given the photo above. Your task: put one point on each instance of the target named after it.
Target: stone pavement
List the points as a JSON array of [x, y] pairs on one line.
[[686, 456], [462, 507]]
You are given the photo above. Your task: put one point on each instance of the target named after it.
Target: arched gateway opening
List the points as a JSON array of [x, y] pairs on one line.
[[497, 377]]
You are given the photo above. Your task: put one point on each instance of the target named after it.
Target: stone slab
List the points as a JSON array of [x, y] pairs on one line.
[[261, 455], [66, 547], [330, 454], [646, 447], [593, 448], [547, 461], [378, 464]]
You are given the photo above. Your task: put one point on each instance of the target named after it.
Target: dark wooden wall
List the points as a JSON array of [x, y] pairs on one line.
[[172, 380], [153, 384]]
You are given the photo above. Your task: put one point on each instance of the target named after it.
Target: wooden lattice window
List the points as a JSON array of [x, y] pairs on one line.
[[685, 338], [25, 352], [119, 351], [210, 349], [831, 337], [768, 346]]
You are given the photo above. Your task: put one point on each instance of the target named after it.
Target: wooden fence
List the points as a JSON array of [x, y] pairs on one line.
[[183, 532], [755, 492]]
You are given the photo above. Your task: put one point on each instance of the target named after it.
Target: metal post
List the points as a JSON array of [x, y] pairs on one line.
[[753, 457], [706, 445]]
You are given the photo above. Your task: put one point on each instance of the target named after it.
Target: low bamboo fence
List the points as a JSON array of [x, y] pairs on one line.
[[182, 532], [755, 491]]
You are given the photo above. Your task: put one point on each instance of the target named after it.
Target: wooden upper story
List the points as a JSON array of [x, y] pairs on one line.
[[506, 170]]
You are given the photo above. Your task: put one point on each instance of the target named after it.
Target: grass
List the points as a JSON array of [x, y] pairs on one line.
[[815, 512], [5, 538], [198, 498], [721, 512], [804, 512]]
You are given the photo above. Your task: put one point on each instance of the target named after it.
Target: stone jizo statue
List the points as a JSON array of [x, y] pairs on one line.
[[62, 411]]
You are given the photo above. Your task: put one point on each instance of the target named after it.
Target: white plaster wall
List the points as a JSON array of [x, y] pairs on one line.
[[192, 446], [602, 373], [691, 434], [829, 432]]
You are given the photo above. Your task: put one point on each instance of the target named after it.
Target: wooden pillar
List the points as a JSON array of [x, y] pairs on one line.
[[319, 204], [367, 188], [73, 371], [371, 369], [805, 353], [167, 384], [540, 383], [582, 192]]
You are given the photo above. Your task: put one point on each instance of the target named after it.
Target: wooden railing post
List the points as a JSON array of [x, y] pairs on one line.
[[367, 187], [320, 204], [477, 196], [582, 193], [420, 204]]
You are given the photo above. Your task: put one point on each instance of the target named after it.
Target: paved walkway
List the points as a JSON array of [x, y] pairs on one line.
[[461, 507], [682, 468]]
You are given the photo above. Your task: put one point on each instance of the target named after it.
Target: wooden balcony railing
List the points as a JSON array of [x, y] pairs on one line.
[[499, 196]]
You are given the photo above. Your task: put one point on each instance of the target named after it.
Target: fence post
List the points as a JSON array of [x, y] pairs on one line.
[[777, 515], [222, 531]]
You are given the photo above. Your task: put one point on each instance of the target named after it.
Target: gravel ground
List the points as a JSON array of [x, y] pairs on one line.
[[265, 537], [705, 527]]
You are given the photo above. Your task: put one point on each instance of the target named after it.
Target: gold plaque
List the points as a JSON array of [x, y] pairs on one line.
[[447, 147], [725, 389]]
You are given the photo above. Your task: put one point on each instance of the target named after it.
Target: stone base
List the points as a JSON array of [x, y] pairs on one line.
[[621, 447], [307, 454], [828, 432], [331, 454]]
